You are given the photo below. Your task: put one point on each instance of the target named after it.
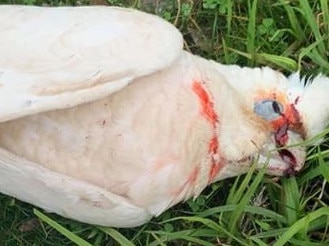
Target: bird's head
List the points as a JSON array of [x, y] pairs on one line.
[[292, 108], [296, 110], [293, 104]]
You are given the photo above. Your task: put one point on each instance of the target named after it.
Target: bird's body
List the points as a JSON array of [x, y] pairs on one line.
[[127, 138], [134, 147], [154, 147]]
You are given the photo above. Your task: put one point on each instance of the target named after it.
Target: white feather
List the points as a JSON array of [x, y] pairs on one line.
[[65, 195], [76, 55], [312, 103]]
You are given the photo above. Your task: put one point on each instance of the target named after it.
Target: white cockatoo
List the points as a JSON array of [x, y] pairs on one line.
[[106, 120]]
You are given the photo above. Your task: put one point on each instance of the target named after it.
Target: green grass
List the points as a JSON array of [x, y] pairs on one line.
[[249, 210]]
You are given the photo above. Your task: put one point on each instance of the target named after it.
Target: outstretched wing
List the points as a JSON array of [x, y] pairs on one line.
[[52, 58]]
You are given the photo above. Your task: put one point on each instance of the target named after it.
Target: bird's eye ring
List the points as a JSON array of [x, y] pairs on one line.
[[268, 109]]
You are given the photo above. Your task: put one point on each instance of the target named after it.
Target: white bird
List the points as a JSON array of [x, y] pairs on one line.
[[106, 120]]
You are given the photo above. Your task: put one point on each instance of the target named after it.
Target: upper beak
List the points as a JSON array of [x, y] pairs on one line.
[[289, 120]]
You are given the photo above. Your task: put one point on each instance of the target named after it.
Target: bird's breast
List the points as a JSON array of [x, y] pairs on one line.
[[154, 139]]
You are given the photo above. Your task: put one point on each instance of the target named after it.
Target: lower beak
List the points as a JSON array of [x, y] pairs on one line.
[[283, 160]]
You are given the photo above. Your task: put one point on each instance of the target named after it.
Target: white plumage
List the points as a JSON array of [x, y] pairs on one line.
[[106, 120]]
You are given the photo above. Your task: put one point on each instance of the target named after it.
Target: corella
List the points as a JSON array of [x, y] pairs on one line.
[[106, 120]]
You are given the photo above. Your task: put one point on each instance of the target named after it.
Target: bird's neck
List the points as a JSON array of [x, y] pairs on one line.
[[238, 128]]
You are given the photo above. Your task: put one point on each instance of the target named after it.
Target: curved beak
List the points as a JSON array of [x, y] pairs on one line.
[[289, 120], [288, 131]]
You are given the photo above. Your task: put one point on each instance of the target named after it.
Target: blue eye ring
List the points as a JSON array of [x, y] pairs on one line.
[[268, 109]]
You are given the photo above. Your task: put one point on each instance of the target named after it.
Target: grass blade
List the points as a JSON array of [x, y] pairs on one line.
[[312, 23], [117, 236], [300, 225], [252, 29], [325, 17], [280, 61], [294, 21], [211, 224], [290, 197], [247, 209], [232, 226], [74, 238]]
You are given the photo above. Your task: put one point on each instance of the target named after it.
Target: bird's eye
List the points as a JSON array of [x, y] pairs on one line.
[[268, 109], [277, 108]]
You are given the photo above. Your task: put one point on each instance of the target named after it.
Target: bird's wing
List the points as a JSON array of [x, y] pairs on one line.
[[54, 58], [70, 197]]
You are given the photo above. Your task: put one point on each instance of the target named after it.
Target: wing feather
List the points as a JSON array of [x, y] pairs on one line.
[[65, 195], [54, 58]]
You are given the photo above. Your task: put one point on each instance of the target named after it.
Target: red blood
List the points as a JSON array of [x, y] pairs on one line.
[[189, 182], [214, 170], [213, 145], [209, 113], [281, 136], [207, 106]]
